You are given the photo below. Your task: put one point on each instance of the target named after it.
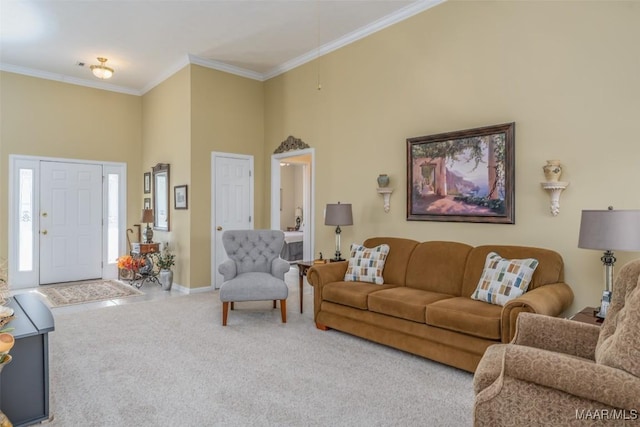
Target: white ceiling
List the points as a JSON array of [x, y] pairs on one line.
[[148, 40]]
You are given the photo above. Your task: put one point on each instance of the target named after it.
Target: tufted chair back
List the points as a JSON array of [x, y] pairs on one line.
[[253, 250]]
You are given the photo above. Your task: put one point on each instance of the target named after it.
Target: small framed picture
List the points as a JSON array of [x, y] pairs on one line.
[[147, 202], [147, 182], [180, 197]]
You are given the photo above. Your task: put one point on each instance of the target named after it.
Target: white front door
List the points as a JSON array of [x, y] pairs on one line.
[[70, 222], [232, 198]]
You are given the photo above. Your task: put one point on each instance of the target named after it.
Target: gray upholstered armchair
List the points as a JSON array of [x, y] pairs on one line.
[[254, 270], [562, 372]]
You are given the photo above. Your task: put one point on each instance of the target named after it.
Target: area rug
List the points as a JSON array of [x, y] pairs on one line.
[[88, 291]]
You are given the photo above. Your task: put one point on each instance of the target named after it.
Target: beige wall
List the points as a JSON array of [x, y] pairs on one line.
[[51, 119], [166, 130], [227, 116], [561, 70]]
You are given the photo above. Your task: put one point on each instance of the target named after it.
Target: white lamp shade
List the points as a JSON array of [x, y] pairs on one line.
[[298, 212], [338, 214], [613, 230]]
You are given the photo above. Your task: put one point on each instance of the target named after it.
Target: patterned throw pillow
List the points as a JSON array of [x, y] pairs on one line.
[[504, 279], [366, 264]]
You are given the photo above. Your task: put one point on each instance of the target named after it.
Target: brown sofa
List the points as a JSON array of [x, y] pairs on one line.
[[424, 306]]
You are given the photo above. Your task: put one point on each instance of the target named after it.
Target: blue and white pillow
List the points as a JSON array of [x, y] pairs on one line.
[[504, 279], [366, 264]]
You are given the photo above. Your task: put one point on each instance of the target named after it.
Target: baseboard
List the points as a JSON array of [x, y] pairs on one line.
[[186, 290]]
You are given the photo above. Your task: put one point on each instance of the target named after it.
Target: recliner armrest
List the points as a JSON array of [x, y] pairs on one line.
[[228, 269], [579, 377], [557, 334]]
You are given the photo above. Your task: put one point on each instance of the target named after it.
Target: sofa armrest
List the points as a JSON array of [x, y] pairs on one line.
[[578, 377], [551, 300], [557, 334], [322, 274], [228, 269]]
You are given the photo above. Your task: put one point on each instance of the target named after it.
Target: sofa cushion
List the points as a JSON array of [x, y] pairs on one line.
[[465, 315], [352, 294], [550, 268], [438, 267], [403, 302], [504, 279], [395, 267], [366, 264], [621, 349]]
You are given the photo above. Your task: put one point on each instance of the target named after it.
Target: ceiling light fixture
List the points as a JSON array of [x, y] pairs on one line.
[[101, 71]]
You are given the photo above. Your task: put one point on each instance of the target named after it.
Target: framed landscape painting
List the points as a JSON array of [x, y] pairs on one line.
[[462, 176]]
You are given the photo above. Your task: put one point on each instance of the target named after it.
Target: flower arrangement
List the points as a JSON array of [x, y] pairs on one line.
[[166, 259], [127, 262]]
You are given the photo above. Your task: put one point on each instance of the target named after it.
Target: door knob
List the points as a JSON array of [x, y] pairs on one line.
[[44, 232], [219, 228], [44, 214]]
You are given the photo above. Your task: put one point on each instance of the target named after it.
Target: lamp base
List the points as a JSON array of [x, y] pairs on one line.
[[148, 234], [604, 305], [336, 260]]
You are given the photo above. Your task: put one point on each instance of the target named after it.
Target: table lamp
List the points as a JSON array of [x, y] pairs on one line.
[[338, 214], [147, 216], [609, 230]]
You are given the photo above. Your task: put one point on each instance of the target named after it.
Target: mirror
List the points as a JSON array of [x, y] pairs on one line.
[[161, 196]]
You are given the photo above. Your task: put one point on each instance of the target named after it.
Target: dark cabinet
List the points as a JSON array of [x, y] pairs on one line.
[[24, 383]]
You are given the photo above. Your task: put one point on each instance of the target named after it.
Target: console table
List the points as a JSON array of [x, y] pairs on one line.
[[24, 383]]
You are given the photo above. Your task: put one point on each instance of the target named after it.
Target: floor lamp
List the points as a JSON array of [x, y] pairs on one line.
[[338, 214], [609, 230]]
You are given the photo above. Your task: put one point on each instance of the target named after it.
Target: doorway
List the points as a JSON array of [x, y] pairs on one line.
[[67, 219], [305, 160]]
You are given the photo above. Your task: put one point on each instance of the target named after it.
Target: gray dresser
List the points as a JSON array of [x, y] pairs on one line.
[[24, 383]]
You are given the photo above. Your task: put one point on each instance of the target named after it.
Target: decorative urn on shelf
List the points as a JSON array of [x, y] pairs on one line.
[[552, 170], [383, 180]]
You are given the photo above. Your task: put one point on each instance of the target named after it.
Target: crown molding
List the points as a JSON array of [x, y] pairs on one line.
[[402, 14], [227, 68], [382, 23], [165, 74], [67, 79]]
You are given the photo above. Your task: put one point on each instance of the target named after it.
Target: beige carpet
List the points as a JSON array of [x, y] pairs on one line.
[[170, 362], [87, 291]]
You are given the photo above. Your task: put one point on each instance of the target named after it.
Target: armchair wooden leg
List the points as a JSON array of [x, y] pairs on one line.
[[225, 311], [233, 307], [283, 310], [274, 303]]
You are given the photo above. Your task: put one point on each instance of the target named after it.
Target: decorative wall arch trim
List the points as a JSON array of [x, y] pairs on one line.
[[290, 144]]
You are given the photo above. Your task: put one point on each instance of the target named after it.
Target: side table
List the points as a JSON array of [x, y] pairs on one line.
[[303, 267], [587, 315]]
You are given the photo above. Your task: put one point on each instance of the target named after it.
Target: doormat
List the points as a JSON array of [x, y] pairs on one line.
[[89, 291]]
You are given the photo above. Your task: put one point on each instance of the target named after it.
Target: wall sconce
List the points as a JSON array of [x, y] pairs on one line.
[[553, 185], [383, 183]]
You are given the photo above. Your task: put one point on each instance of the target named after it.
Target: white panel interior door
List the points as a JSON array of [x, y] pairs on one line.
[[233, 201], [70, 222]]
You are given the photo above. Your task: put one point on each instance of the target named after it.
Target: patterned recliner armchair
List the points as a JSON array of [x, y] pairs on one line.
[[561, 372], [254, 270]]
